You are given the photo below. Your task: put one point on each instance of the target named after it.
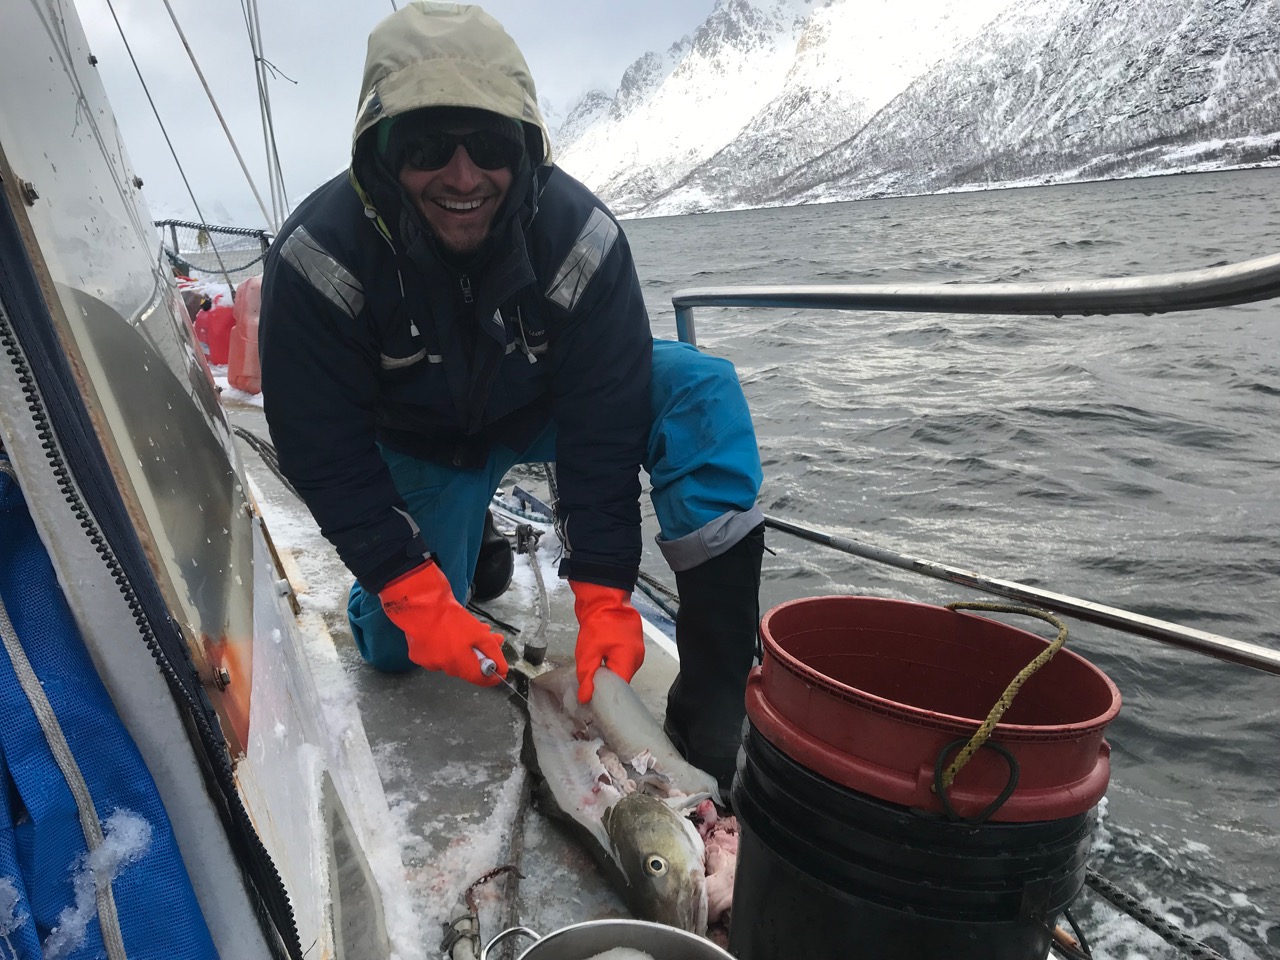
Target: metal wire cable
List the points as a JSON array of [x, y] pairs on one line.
[[275, 172], [655, 597], [267, 453], [173, 152], [659, 586], [1133, 907], [214, 103]]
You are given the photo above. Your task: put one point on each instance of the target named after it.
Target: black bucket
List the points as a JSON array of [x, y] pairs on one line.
[[824, 871]]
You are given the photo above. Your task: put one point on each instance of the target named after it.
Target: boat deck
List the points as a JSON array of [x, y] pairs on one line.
[[447, 754]]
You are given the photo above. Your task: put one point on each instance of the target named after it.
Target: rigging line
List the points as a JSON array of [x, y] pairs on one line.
[[181, 172], [227, 130], [275, 171], [271, 123], [276, 72], [260, 80], [262, 111], [277, 166]]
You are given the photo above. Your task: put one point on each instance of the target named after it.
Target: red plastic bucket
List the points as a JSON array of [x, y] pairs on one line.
[[867, 692]]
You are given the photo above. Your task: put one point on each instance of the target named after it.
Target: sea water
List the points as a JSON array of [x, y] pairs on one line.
[[1129, 460]]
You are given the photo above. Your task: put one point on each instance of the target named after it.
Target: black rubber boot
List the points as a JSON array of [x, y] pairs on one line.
[[716, 629], [494, 565]]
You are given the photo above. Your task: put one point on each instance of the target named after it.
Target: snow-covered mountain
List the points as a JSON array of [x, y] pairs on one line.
[[674, 110], [793, 101]]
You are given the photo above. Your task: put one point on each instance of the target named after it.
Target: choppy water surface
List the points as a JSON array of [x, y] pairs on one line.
[[1134, 461]]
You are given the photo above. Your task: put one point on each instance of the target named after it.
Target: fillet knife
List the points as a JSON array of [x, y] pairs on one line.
[[489, 668]]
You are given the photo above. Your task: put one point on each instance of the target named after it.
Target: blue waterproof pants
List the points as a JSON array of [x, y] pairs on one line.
[[702, 461]]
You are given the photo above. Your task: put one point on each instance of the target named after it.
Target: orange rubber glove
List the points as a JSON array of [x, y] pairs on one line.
[[609, 634], [440, 632]]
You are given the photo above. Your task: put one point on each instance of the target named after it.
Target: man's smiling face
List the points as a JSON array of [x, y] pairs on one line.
[[458, 200]]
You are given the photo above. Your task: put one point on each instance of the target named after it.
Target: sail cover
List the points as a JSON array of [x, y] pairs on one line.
[[88, 862]]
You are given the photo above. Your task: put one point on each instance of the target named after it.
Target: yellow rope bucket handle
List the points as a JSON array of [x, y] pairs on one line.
[[1006, 699]]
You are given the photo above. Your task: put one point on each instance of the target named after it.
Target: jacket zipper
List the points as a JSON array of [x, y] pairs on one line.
[[524, 339], [372, 214]]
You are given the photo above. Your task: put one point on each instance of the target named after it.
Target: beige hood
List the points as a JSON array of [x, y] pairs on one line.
[[430, 54]]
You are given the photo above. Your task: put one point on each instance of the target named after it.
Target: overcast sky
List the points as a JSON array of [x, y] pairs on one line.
[[571, 46]]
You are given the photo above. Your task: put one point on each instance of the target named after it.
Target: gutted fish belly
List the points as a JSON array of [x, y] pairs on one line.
[[631, 731], [631, 798], [622, 953], [570, 762]]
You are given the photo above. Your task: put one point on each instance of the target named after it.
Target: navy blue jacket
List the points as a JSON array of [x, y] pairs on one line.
[[369, 337]]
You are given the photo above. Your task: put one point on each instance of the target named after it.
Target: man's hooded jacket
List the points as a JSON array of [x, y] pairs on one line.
[[370, 335]]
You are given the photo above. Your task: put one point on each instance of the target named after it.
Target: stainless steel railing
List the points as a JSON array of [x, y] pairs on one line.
[[1246, 282], [1162, 293]]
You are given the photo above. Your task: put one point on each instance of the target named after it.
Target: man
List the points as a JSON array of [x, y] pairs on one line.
[[454, 305]]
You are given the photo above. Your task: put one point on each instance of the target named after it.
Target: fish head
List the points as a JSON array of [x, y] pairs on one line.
[[663, 860]]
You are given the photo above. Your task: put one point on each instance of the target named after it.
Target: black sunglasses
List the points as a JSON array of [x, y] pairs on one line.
[[488, 150]]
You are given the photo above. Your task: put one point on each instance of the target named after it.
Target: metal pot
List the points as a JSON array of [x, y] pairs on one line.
[[584, 940]]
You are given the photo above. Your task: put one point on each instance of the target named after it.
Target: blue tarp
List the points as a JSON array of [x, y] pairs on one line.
[[89, 867]]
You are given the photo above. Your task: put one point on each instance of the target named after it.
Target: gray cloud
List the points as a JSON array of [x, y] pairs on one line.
[[571, 46]]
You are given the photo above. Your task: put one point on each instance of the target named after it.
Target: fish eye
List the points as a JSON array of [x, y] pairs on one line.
[[655, 866]]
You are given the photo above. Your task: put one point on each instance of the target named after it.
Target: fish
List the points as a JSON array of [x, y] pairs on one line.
[[663, 858], [609, 772]]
